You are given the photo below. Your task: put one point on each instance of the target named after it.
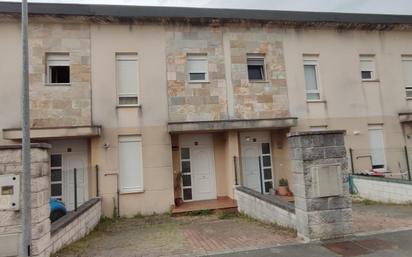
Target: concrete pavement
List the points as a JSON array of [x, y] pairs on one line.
[[391, 244]]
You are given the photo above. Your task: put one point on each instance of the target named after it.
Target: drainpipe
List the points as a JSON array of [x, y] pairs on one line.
[[97, 180]]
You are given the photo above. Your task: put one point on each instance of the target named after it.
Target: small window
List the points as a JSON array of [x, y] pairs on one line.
[[197, 68], [256, 67], [127, 79], [130, 164], [407, 74], [58, 68], [367, 65], [311, 72]]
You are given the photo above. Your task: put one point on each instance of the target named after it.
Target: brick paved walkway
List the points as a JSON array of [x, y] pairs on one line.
[[176, 236]]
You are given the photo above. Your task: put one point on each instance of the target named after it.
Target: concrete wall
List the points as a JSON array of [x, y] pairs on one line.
[[78, 226], [265, 208], [384, 190], [149, 121]]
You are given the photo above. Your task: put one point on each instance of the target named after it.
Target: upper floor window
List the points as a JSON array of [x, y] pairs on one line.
[[407, 74], [197, 68], [311, 70], [368, 68], [256, 67], [127, 78], [58, 68]]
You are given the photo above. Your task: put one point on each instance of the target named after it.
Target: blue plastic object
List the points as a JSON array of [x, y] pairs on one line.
[[57, 209]]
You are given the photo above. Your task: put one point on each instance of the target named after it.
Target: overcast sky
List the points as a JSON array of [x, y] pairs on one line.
[[357, 6]]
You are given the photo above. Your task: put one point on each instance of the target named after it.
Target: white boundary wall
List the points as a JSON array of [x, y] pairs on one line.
[[264, 211], [384, 190]]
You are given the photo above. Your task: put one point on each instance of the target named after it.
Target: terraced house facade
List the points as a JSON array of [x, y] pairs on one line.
[[154, 106]]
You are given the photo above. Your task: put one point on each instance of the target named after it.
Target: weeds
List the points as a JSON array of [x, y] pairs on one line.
[[223, 215]]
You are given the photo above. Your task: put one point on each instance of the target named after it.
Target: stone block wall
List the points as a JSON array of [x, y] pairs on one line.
[[10, 221], [265, 208], [228, 94], [59, 106], [254, 100], [195, 101], [325, 215], [383, 189], [74, 226]]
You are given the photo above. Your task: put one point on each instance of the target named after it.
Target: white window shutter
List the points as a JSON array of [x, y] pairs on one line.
[[367, 65], [376, 142], [58, 59], [130, 164], [127, 74], [407, 72]]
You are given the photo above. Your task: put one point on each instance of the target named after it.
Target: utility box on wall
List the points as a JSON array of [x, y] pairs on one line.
[[326, 180], [10, 192]]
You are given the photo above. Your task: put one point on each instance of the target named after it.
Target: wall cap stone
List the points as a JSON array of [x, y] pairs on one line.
[[380, 179], [220, 125], [71, 216], [311, 133], [19, 146]]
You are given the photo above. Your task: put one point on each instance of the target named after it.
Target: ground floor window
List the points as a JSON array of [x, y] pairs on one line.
[[56, 176], [130, 164]]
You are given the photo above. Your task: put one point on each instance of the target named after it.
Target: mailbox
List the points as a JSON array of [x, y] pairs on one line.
[[10, 192], [326, 180]]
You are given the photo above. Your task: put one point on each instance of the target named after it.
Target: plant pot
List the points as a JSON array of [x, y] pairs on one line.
[[178, 201], [283, 190]]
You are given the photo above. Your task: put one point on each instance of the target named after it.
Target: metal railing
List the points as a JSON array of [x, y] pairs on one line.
[[388, 162]]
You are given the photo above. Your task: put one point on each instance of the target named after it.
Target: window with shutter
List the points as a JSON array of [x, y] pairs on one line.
[[311, 74], [58, 69], [130, 164], [197, 68], [407, 74], [127, 79], [367, 65], [256, 67]]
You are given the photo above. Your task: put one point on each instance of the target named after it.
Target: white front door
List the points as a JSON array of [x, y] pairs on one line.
[[250, 165], [256, 160], [75, 161], [197, 166]]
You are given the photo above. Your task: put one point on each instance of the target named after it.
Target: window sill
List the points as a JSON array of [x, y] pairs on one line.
[[133, 192], [119, 106], [58, 84], [408, 98], [198, 82], [259, 81], [316, 101], [370, 80]]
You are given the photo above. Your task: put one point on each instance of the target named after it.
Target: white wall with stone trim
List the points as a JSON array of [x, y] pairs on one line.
[[77, 228], [264, 211], [384, 190]]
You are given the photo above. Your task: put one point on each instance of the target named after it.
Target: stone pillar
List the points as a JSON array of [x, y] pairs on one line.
[[10, 220], [322, 201]]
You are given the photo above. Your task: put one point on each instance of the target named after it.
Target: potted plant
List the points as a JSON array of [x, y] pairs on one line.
[[283, 188], [178, 188]]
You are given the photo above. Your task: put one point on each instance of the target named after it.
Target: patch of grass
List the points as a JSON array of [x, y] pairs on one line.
[[275, 226], [200, 213], [365, 201], [138, 216], [223, 215]]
